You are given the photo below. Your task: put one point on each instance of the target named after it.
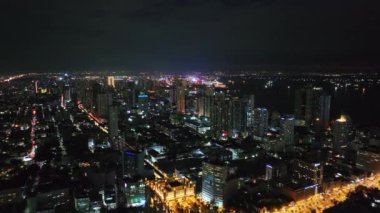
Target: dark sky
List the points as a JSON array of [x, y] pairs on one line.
[[52, 35]]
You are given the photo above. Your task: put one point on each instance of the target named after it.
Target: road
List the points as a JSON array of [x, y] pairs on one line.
[[31, 155], [321, 202], [92, 117]]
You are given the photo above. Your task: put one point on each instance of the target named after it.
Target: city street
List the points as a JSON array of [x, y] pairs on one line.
[[321, 202]]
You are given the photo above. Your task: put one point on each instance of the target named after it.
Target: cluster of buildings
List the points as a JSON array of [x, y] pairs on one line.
[[161, 143]]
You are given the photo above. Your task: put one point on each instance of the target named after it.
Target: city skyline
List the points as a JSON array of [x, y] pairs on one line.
[[196, 106]]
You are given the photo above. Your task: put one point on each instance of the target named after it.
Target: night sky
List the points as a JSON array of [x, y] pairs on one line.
[[50, 35]]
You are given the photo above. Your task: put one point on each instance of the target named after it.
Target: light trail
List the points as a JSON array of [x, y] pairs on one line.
[[32, 152], [11, 78], [92, 117]]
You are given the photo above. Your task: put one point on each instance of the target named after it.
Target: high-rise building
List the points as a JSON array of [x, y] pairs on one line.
[[88, 98], [307, 172], [287, 124], [235, 116], [191, 104], [324, 111], [200, 105], [260, 122], [181, 99], [111, 81], [173, 95], [113, 127], [249, 107], [131, 94], [67, 93], [340, 131], [214, 177], [133, 163], [134, 192], [208, 101], [103, 100], [218, 116], [96, 89], [304, 106], [275, 170], [36, 86]]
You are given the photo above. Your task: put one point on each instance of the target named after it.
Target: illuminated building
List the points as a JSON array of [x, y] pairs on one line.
[[81, 202], [201, 106], [11, 196], [181, 99], [204, 102], [88, 97], [307, 172], [172, 96], [67, 94], [191, 105], [275, 170], [304, 104], [110, 197], [142, 100], [268, 172], [96, 90], [249, 107], [131, 94], [48, 197], [36, 86], [260, 123], [102, 104], [214, 177], [111, 81], [324, 111], [340, 130], [287, 130], [134, 192], [208, 101], [219, 111], [96, 202], [235, 116], [173, 194], [113, 126], [133, 163]]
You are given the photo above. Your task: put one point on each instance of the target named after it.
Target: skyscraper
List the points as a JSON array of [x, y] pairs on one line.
[[287, 130], [214, 177], [111, 81], [133, 163], [340, 130], [249, 107], [235, 116], [324, 111], [201, 105], [307, 172], [113, 127], [260, 122], [173, 95], [96, 90], [36, 86], [102, 104], [208, 101], [67, 93], [131, 94], [304, 106], [218, 116], [181, 99]]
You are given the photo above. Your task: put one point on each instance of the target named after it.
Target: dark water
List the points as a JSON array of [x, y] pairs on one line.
[[362, 106]]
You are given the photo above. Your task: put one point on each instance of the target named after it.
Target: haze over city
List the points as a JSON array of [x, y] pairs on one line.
[[179, 35]]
